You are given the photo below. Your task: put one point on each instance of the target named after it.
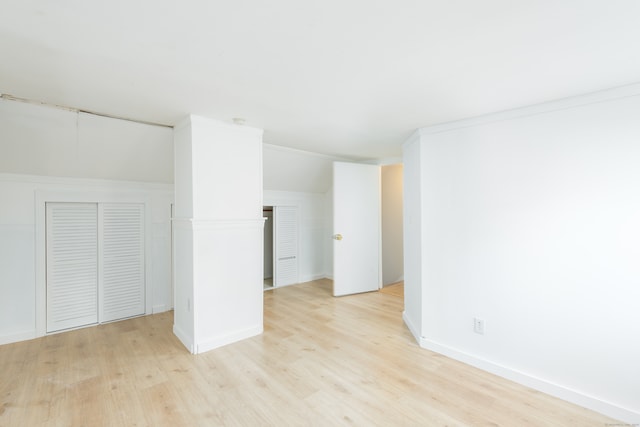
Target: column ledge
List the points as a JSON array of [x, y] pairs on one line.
[[210, 223]]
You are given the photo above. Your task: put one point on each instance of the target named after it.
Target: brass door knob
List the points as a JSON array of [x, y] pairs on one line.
[[337, 236]]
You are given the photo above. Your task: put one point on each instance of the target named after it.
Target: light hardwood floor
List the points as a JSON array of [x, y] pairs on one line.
[[321, 361]]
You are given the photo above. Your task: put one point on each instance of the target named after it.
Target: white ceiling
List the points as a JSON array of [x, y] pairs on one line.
[[350, 78]]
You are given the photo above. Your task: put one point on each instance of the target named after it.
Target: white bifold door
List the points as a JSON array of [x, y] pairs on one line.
[[121, 278], [285, 235], [72, 265], [95, 263]]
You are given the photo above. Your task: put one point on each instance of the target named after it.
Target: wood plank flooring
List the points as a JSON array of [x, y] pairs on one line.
[[322, 361]]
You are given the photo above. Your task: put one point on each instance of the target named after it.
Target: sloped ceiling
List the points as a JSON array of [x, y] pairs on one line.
[[350, 78], [287, 169]]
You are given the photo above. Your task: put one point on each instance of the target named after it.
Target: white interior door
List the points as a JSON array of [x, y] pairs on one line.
[[72, 265], [356, 225], [95, 263], [121, 272], [285, 235]]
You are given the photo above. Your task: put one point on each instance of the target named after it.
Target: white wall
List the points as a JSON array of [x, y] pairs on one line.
[[287, 169], [47, 141], [38, 142], [312, 232], [531, 221], [391, 200]]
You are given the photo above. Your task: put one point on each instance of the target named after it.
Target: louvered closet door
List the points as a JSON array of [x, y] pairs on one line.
[[122, 275], [72, 265], [286, 236]]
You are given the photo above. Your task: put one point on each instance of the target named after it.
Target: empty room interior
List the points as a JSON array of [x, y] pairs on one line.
[[320, 213]]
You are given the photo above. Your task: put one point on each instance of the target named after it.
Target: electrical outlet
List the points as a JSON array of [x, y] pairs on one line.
[[478, 326]]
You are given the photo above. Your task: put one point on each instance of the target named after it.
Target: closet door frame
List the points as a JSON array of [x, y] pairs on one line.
[[90, 196], [286, 201]]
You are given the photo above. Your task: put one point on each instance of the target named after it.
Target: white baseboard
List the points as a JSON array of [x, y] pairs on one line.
[[20, 336], [184, 338], [304, 279], [311, 277], [219, 341], [284, 286], [393, 282], [573, 396], [159, 308]]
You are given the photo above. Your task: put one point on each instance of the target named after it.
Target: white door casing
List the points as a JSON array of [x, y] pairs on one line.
[[356, 225], [268, 243]]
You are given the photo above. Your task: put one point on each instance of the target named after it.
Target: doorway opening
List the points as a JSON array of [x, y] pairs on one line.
[[392, 225], [280, 245]]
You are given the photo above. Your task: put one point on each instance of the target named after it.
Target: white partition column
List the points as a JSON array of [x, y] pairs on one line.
[[218, 232]]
